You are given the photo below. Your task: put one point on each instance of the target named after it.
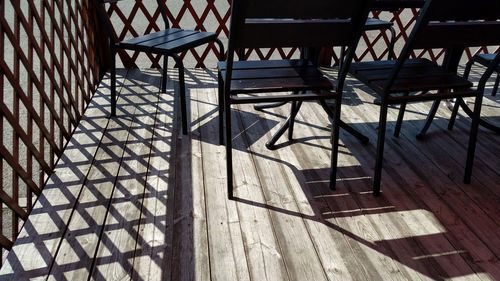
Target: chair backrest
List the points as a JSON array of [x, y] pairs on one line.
[[453, 24], [107, 24], [296, 23], [291, 23], [459, 23]]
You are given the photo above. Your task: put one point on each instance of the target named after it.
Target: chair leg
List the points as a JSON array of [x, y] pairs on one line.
[[182, 93], [401, 114], [495, 87], [454, 113], [164, 74], [429, 119], [335, 143], [113, 82], [456, 107], [380, 148], [399, 122], [229, 147], [472, 139], [221, 108]]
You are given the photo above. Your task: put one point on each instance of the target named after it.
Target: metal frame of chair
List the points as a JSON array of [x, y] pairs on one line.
[[485, 60], [373, 24], [168, 42], [286, 23], [450, 24]]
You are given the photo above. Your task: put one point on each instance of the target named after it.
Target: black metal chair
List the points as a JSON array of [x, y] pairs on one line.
[[485, 60], [285, 23], [168, 42], [450, 24]]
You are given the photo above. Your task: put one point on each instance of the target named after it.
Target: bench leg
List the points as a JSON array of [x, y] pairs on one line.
[[164, 74], [182, 93]]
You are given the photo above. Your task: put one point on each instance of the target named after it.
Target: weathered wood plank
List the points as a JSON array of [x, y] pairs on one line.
[[391, 218], [345, 212], [120, 233], [262, 252], [77, 252], [190, 257], [173, 221], [417, 185], [328, 241], [300, 257], [153, 255], [227, 255], [40, 238]]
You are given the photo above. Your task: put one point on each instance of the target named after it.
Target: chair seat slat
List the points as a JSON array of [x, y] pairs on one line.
[[151, 36], [275, 73], [423, 84], [374, 65], [279, 98], [265, 64], [431, 96], [412, 77], [280, 84], [189, 41], [168, 38]]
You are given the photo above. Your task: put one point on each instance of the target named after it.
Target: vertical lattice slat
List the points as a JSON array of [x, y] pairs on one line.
[[3, 244]]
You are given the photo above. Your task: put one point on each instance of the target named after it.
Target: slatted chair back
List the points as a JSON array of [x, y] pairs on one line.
[[291, 23], [295, 23], [452, 24]]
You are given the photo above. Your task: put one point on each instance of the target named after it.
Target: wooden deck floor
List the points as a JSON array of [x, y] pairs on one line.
[[133, 199]]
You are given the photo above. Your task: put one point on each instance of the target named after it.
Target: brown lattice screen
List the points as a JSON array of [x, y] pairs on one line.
[[210, 15], [48, 72]]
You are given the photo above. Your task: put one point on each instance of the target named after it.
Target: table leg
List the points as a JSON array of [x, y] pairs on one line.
[[262, 106]]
